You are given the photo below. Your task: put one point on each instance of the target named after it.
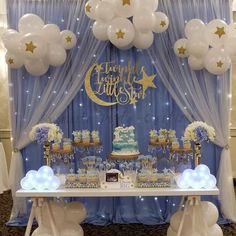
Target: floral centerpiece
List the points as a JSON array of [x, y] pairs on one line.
[[163, 133], [77, 136], [46, 132]]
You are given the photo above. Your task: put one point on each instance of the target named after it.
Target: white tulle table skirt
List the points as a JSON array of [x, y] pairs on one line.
[[4, 181]]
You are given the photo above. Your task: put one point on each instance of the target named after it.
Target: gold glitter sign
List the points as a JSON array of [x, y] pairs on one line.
[[108, 84]]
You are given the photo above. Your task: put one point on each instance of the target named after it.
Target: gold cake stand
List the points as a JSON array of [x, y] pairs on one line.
[[86, 145], [123, 157]]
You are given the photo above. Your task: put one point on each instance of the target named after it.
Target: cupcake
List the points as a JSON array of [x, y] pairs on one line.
[[153, 136], [86, 137], [95, 137], [92, 178], [56, 146], [142, 177], [77, 136], [187, 145], [71, 177], [153, 178], [82, 178]]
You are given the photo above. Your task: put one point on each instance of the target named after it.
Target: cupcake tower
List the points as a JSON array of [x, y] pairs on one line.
[[86, 137]]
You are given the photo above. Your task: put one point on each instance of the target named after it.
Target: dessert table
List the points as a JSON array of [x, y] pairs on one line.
[[4, 181], [41, 197]]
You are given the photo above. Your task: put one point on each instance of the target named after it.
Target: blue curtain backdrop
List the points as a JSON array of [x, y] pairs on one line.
[[157, 110]]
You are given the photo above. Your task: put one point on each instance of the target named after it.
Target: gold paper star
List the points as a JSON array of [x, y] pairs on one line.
[[88, 8], [219, 64], [120, 34], [220, 31], [30, 47], [163, 23], [182, 50], [133, 100], [68, 39], [126, 2], [146, 81], [10, 61]]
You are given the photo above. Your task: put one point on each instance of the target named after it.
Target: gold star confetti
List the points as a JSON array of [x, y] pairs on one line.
[[219, 64], [88, 8], [120, 34], [220, 31], [146, 81], [126, 2], [68, 39], [182, 50], [30, 47], [10, 61], [163, 23]]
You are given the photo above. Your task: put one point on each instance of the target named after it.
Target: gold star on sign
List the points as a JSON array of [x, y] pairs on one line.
[[146, 81], [163, 23], [133, 100], [220, 31], [88, 8], [98, 67], [68, 39], [126, 2], [219, 64], [30, 47], [120, 34], [182, 50], [10, 61]]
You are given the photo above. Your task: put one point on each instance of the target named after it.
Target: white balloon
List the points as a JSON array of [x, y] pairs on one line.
[[175, 220], [182, 183], [144, 20], [68, 39], [217, 61], [51, 33], [161, 22], [14, 61], [125, 8], [149, 4], [100, 30], [105, 11], [216, 30], [171, 232], [71, 229], [180, 48], [143, 40], [75, 212], [11, 40], [46, 170], [197, 47], [36, 67], [204, 169], [194, 27], [211, 182], [231, 30], [127, 47], [33, 46], [215, 231], [230, 48], [42, 231], [90, 7], [121, 32], [30, 23], [56, 54], [210, 212], [26, 184], [195, 63]]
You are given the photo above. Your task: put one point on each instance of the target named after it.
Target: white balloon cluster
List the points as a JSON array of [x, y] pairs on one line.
[[210, 46], [126, 23], [67, 219], [43, 179], [36, 45], [198, 178], [206, 211]]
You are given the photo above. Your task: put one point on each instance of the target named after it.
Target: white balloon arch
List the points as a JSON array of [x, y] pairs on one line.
[[126, 23], [36, 45], [210, 46]]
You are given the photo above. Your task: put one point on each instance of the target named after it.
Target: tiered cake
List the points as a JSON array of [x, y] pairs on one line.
[[124, 142]]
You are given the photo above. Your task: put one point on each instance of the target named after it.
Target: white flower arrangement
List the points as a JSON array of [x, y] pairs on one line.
[[46, 132], [153, 133], [199, 131]]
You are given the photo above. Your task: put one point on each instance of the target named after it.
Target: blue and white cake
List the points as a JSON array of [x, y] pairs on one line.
[[124, 142]]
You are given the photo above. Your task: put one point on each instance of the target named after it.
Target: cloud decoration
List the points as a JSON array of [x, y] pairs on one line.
[[126, 23], [200, 177], [210, 46], [36, 45], [43, 179]]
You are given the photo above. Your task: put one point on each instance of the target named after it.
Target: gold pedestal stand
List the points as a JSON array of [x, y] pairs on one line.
[[46, 153], [197, 154]]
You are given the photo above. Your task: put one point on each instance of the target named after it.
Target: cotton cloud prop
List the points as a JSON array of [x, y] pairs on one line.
[[198, 178], [36, 45], [210, 46], [126, 23], [43, 179]]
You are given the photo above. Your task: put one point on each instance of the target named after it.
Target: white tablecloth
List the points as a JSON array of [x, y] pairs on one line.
[[4, 182]]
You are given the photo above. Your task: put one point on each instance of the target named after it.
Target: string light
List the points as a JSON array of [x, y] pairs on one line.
[[185, 108], [39, 96], [78, 33], [66, 92], [49, 77], [156, 198], [94, 55], [81, 90], [10, 84], [173, 204], [77, 19], [149, 104], [99, 123], [122, 60], [230, 95], [185, 21], [167, 118], [185, 94], [54, 91], [53, 104], [167, 103], [62, 20], [29, 105], [27, 91], [80, 104], [26, 159], [182, 64], [15, 113], [153, 118], [231, 109], [142, 199]]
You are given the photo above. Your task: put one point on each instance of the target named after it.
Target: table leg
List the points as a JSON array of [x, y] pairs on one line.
[[31, 217]]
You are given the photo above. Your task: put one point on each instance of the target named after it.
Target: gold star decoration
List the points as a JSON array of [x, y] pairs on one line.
[[10, 61], [182, 50], [98, 67], [126, 2], [120, 34], [68, 39], [163, 23], [133, 100], [220, 31], [219, 64], [30, 47], [146, 81], [88, 8]]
